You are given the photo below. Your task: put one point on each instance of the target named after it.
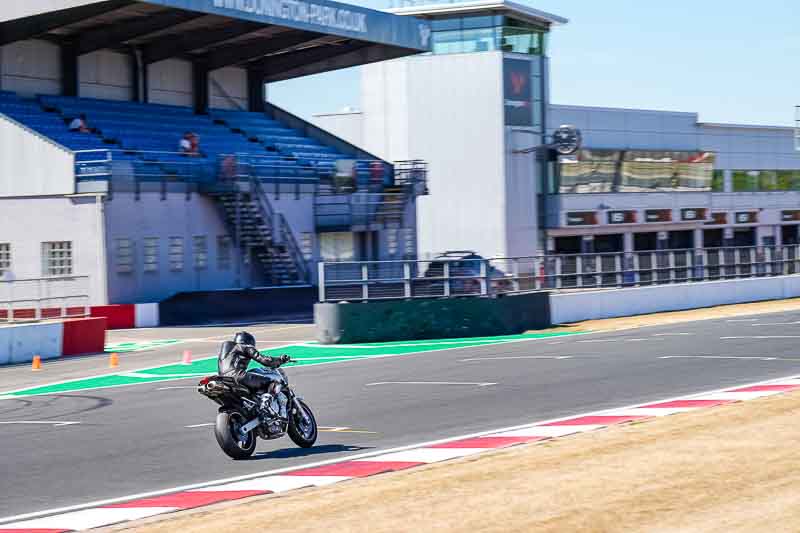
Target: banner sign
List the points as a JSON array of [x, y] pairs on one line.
[[658, 215], [323, 16], [581, 218], [622, 217], [746, 217], [690, 214], [517, 92]]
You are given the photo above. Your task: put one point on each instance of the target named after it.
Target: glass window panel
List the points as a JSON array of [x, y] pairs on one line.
[[477, 22], [718, 181], [5, 257], [224, 249], [744, 180], [446, 24], [150, 254], [589, 172], [447, 42], [480, 40]]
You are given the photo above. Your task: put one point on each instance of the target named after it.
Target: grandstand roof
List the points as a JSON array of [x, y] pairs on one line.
[[436, 8], [281, 38]]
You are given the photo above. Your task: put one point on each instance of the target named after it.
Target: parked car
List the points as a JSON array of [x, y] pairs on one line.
[[464, 274]]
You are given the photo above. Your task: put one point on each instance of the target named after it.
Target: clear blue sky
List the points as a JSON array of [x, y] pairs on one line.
[[730, 61]]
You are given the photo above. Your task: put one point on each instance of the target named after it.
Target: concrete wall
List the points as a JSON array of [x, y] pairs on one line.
[[170, 82], [438, 318], [18, 344], [348, 126], [577, 306], [150, 216], [228, 88], [30, 67], [29, 222], [32, 165], [447, 110], [106, 75]]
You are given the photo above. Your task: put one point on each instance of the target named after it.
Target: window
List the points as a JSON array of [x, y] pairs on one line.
[[337, 246], [124, 253], [5, 257], [57, 258], [765, 180], [307, 245], [176, 254], [224, 249], [637, 171], [200, 252], [150, 254]]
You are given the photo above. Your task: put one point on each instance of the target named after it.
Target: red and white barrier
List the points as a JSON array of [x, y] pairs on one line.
[[51, 340], [128, 316]]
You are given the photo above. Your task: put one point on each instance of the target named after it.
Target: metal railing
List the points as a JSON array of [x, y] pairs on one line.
[[449, 277], [30, 300]]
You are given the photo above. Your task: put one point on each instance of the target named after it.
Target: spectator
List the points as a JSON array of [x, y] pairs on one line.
[[79, 124], [185, 144], [194, 141], [190, 144]]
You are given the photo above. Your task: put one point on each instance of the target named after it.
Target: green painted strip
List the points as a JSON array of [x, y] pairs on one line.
[[126, 347], [304, 354]]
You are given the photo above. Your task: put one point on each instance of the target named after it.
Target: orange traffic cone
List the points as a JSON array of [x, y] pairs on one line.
[[187, 357], [37, 363], [113, 361]]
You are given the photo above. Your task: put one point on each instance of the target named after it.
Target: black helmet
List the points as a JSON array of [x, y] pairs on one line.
[[244, 338]]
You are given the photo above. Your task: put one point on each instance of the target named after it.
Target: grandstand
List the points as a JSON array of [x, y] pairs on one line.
[[264, 196]]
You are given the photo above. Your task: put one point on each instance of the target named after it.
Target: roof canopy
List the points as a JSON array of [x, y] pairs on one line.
[[437, 9], [280, 38]]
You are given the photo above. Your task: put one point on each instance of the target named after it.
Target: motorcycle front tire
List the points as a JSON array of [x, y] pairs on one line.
[[296, 434], [225, 430]]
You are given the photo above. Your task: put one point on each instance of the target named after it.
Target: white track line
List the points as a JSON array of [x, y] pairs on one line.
[[478, 384], [214, 483], [515, 357]]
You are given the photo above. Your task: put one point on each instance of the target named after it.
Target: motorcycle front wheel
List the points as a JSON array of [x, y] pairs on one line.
[[304, 434], [226, 430]]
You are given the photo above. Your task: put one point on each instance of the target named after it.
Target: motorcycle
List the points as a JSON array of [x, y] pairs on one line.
[[245, 414]]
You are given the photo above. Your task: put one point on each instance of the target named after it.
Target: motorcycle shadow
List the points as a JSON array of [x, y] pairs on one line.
[[289, 453]]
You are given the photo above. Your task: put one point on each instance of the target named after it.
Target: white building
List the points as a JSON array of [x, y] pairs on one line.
[[644, 180]]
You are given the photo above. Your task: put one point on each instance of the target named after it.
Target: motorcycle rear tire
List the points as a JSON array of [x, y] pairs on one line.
[[227, 439], [296, 434]]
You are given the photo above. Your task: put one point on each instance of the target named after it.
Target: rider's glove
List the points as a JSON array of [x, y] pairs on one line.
[[284, 359]]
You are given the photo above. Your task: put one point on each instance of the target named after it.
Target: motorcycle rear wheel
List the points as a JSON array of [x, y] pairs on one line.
[[304, 435], [226, 430]]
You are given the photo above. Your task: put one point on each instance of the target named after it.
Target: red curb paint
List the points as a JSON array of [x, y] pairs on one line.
[[33, 530], [83, 335], [189, 500], [765, 388], [121, 316], [685, 403], [355, 468], [487, 442], [602, 420]]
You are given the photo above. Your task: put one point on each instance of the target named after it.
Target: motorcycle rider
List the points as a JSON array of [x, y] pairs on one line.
[[234, 357]]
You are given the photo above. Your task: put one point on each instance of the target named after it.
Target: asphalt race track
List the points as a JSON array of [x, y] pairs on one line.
[[155, 436]]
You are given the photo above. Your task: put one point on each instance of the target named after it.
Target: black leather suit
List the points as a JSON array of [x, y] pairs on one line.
[[234, 359]]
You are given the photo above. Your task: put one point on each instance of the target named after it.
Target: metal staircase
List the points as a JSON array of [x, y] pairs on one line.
[[374, 208], [256, 227]]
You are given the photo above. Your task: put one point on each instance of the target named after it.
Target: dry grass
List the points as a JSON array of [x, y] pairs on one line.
[[725, 469]]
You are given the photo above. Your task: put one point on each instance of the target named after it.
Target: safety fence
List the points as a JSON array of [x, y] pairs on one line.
[[29, 300], [474, 276], [346, 175]]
